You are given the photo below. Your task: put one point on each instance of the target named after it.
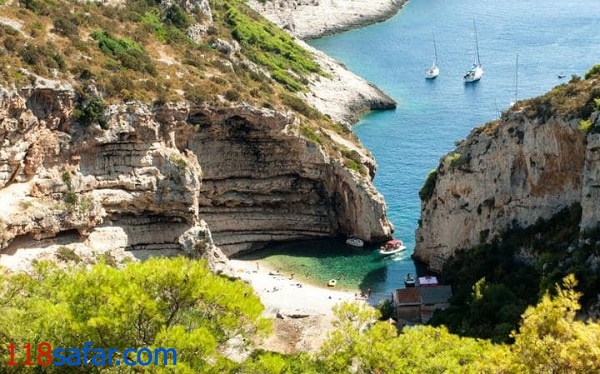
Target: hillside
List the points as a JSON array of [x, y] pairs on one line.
[[127, 125]]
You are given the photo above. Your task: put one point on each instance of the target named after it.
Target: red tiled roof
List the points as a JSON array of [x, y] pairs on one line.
[[407, 296]]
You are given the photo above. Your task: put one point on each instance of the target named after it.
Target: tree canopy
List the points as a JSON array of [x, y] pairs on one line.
[[178, 303]]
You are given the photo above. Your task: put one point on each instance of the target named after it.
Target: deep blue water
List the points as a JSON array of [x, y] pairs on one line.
[[550, 37]]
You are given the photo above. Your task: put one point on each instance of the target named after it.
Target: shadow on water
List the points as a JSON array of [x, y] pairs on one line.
[[318, 261]]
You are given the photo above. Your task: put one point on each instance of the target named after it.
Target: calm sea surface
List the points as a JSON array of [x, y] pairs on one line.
[[551, 38]]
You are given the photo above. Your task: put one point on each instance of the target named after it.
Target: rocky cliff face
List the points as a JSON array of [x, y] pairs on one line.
[[93, 190], [136, 185], [263, 181], [529, 165]]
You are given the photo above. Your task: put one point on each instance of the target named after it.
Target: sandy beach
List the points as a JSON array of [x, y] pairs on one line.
[[302, 312], [288, 296]]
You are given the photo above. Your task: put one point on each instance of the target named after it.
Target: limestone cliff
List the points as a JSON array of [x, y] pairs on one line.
[[136, 184], [539, 158], [94, 190], [310, 19]]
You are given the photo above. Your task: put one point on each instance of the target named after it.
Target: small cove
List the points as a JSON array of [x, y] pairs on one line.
[[551, 39]]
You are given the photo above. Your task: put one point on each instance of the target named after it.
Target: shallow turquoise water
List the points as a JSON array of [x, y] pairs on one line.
[[550, 37]]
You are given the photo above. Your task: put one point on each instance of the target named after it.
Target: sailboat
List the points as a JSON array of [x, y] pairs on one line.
[[512, 103], [434, 70], [474, 74]]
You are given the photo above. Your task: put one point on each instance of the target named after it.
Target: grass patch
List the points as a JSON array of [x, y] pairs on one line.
[[300, 106], [66, 254], [310, 134], [130, 54], [268, 45]]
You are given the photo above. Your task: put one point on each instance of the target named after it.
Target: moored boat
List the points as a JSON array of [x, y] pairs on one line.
[[391, 247], [434, 70], [476, 72], [355, 242], [409, 281]]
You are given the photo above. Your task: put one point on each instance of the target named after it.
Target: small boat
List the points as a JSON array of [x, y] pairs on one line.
[[409, 281], [476, 72], [561, 76], [391, 247], [434, 70], [355, 242], [331, 283]]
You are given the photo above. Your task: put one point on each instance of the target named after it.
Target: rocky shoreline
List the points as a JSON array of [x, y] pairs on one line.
[[312, 19], [342, 95]]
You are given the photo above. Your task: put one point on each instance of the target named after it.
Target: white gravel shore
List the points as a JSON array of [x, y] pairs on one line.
[[284, 295]]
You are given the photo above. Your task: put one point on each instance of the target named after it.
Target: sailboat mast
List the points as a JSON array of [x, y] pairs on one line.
[[476, 43], [517, 79], [434, 49]]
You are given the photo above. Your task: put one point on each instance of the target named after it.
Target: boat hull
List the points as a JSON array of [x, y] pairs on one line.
[[432, 73], [474, 74], [355, 242]]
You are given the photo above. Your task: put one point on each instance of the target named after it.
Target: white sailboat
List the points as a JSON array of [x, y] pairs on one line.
[[434, 70], [476, 72], [512, 103]]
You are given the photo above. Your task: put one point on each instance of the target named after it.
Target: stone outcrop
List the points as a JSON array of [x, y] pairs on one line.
[[511, 172], [341, 94], [311, 19], [135, 185]]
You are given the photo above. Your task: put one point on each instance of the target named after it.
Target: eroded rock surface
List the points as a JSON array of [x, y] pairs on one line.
[[136, 185], [510, 173]]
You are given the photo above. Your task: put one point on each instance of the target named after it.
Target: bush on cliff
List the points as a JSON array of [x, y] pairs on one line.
[[426, 191]]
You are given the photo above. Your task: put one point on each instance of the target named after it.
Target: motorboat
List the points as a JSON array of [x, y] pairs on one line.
[[476, 71], [409, 281], [391, 247], [355, 242], [434, 70]]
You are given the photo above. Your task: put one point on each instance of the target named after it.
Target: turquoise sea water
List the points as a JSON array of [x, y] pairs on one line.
[[550, 37]]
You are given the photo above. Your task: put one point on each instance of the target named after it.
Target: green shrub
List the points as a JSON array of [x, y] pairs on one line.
[[454, 160], [181, 164], [426, 191], [91, 112], [71, 199], [593, 72], [42, 57], [177, 17], [268, 45], [233, 95], [585, 125], [66, 27]]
